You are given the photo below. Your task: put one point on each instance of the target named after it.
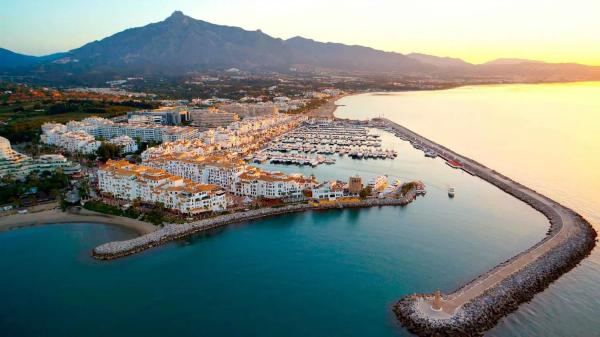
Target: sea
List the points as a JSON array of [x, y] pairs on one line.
[[338, 272]]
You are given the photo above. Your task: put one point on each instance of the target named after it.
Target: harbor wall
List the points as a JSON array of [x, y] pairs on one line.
[[170, 232], [484, 311]]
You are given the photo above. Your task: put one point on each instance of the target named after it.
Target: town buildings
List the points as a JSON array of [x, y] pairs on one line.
[[126, 181], [164, 116], [328, 190], [234, 176], [250, 109], [72, 141], [256, 183], [238, 138], [80, 136], [212, 118], [19, 166], [125, 143]]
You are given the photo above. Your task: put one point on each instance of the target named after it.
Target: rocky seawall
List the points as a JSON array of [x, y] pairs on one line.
[[170, 232], [569, 240]]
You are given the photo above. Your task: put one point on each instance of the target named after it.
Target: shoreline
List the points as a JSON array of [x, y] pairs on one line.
[[171, 232], [56, 216], [328, 109], [479, 304]]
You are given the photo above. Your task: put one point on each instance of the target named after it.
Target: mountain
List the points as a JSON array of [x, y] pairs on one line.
[[339, 56], [180, 45], [10, 60], [510, 61], [439, 61]]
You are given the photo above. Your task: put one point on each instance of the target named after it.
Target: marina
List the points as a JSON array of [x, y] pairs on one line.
[[289, 159], [327, 137]]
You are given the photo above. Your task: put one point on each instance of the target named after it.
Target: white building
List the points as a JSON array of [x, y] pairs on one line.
[[71, 141], [256, 183], [126, 181], [20, 166], [215, 170], [125, 143], [327, 191], [100, 127], [12, 162]]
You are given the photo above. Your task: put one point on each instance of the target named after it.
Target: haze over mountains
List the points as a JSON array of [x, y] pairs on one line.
[[180, 45]]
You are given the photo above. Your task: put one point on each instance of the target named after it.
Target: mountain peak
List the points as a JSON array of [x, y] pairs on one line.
[[178, 16]]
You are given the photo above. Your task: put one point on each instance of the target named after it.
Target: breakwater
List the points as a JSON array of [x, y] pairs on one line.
[[170, 232], [478, 305]]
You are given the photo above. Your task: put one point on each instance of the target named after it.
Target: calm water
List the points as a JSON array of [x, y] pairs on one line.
[[333, 273], [545, 136]]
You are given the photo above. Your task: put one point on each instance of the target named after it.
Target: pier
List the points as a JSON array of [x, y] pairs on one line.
[[478, 305]]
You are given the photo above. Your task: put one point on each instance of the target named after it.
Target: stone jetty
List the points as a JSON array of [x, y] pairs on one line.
[[478, 305], [170, 232]]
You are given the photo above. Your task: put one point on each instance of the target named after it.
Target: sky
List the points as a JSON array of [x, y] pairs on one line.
[[474, 30]]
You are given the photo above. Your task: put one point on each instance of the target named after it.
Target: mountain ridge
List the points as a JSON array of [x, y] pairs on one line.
[[180, 45]]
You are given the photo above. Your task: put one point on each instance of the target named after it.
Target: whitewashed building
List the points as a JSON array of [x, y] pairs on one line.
[[126, 181], [125, 143]]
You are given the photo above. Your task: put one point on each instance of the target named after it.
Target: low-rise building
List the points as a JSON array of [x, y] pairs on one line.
[[126, 181], [328, 191], [55, 162], [71, 141], [19, 166], [257, 183], [125, 143]]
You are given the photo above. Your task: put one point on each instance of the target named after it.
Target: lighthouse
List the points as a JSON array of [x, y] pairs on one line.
[[437, 301]]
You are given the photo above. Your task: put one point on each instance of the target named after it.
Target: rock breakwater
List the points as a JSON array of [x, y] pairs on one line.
[[478, 305], [170, 232]]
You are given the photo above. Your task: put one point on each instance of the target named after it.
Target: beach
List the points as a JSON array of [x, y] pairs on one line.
[[74, 215], [326, 110]]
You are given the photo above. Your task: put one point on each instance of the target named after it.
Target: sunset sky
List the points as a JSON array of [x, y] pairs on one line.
[[474, 30]]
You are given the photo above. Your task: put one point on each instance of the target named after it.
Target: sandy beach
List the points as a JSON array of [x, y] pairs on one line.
[[326, 110], [56, 216]]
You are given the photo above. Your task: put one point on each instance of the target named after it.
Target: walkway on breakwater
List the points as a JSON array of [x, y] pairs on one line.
[[566, 226], [170, 232]]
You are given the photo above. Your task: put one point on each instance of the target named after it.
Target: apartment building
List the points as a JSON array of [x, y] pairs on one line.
[[126, 181]]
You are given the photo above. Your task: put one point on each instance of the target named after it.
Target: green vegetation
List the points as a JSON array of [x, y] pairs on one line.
[[407, 187], [21, 121], [46, 186], [100, 207], [157, 215], [365, 192], [107, 151]]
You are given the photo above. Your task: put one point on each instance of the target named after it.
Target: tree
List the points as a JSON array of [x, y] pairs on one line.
[[107, 151], [157, 214], [365, 192], [84, 188]]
